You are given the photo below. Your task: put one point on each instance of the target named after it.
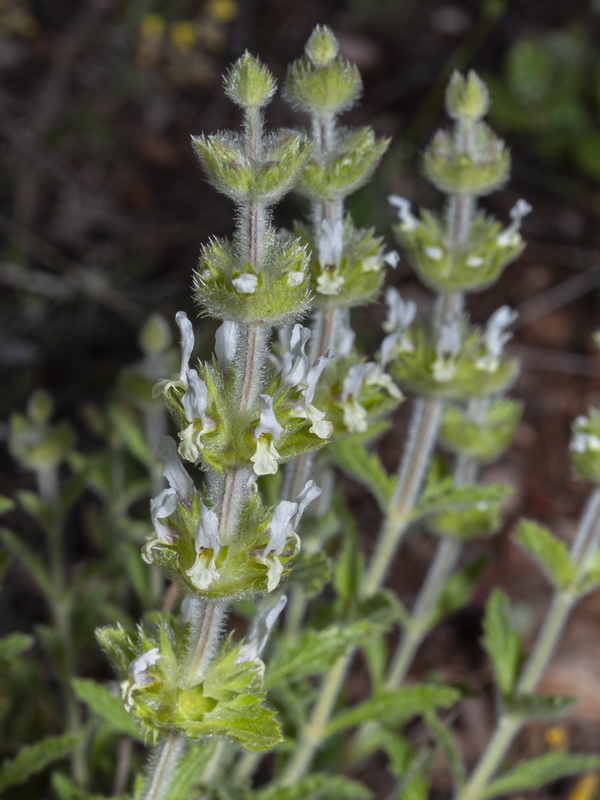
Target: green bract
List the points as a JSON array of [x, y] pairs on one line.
[[326, 89], [351, 162], [322, 46], [249, 83], [484, 439], [267, 177], [455, 171], [479, 261], [229, 287], [228, 700], [467, 97], [585, 446]]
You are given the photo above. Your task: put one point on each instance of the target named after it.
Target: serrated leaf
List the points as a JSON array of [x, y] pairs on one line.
[[396, 707], [34, 758], [189, 771], [444, 739], [30, 561], [350, 454], [539, 706], [551, 553], [317, 787], [501, 641], [14, 645], [108, 706], [539, 772]]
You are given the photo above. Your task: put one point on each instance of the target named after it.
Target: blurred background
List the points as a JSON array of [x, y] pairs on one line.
[[103, 208]]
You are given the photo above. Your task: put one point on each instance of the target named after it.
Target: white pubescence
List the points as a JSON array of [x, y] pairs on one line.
[[180, 490], [282, 534], [408, 221], [401, 314], [194, 403], [305, 409], [330, 248], [495, 337], [371, 374], [510, 237], [257, 637], [266, 433], [245, 283], [139, 677], [203, 573], [448, 347], [226, 340]]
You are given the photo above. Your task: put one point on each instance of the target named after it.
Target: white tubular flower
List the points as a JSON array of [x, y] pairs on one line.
[[496, 336], [174, 471], [309, 493], [245, 283], [355, 416], [194, 402], [582, 442], [268, 431], [161, 507], [407, 219], [320, 426], [448, 347], [226, 340], [510, 236], [401, 314], [279, 531], [375, 376], [257, 637], [187, 345], [344, 335], [204, 571], [139, 676], [295, 360], [331, 246]]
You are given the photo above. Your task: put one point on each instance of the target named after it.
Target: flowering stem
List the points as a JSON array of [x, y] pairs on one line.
[[508, 726]]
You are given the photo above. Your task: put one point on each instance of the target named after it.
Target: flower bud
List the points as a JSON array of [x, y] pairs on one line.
[[322, 46], [466, 97], [249, 83]]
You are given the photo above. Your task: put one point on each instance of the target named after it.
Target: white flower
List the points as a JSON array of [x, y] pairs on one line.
[[392, 259], [295, 360], [309, 493], [408, 221], [434, 253], [510, 236], [204, 571], [474, 261], [174, 471], [344, 335], [257, 637], [401, 314], [375, 376], [320, 426], [267, 432], [194, 402], [331, 244], [295, 277], [187, 345], [495, 337], [355, 416], [226, 340], [448, 347], [584, 442], [245, 283], [279, 531], [139, 677]]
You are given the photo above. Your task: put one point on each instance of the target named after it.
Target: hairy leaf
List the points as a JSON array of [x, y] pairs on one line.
[[34, 758], [539, 772], [501, 641], [108, 706], [551, 553]]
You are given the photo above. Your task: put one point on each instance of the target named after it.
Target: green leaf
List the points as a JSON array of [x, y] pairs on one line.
[[396, 707], [317, 787], [539, 706], [551, 553], [416, 787], [34, 758], [351, 455], [14, 645], [65, 789], [30, 561], [443, 496], [72, 489], [131, 434], [444, 739], [313, 571], [6, 504], [350, 562], [189, 771], [108, 706], [501, 641], [36, 508], [539, 772]]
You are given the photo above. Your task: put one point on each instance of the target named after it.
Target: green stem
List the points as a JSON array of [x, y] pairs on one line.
[[159, 780]]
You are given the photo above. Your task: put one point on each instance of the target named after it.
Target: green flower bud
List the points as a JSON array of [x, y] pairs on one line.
[[352, 162], [486, 439], [322, 46], [155, 336], [323, 90], [585, 446], [249, 83], [466, 98], [478, 172]]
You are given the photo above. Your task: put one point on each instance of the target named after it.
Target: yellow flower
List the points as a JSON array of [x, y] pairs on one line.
[[223, 10]]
